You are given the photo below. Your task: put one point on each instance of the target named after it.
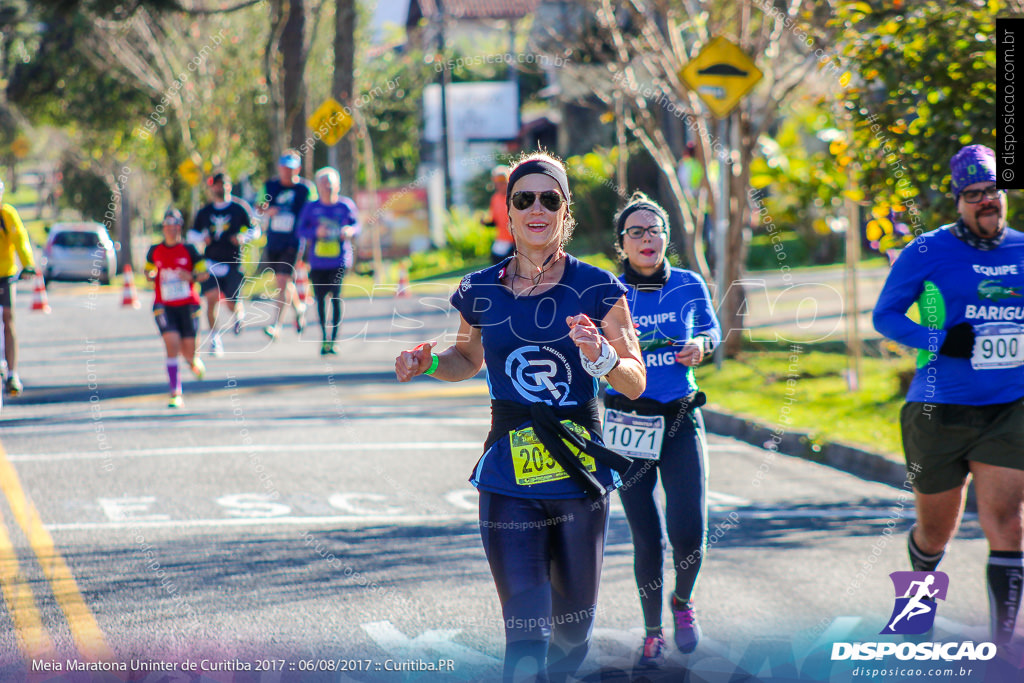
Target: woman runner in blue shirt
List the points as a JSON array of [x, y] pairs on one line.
[[663, 429], [547, 326]]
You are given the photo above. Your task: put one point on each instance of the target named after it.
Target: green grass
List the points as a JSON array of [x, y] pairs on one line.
[[756, 385], [864, 264], [36, 230], [26, 194]]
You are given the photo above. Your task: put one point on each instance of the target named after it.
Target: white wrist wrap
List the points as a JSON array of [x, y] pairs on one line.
[[604, 363]]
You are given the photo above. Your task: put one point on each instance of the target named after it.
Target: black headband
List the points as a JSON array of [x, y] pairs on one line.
[[542, 167], [633, 208]]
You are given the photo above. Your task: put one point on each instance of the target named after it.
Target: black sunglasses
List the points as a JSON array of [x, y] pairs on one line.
[[550, 200], [974, 196]]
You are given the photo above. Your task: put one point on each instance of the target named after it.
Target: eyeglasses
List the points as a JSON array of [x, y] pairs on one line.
[[974, 196], [550, 200], [638, 231]]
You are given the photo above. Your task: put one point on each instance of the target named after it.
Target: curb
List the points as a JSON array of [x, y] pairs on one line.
[[850, 459]]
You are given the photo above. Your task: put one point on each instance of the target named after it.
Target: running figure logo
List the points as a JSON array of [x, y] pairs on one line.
[[916, 596]]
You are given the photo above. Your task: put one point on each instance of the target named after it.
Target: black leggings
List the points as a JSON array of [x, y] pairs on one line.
[[545, 556], [327, 283], [684, 478]]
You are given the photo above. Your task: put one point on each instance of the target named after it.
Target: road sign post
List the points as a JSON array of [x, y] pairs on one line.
[[721, 75], [330, 121], [190, 172]]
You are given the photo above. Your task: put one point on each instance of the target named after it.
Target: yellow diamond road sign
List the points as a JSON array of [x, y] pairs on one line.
[[330, 121], [20, 147], [190, 172], [721, 75]]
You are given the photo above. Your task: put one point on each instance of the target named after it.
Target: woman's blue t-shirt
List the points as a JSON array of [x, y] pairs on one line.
[[665, 318], [530, 358]]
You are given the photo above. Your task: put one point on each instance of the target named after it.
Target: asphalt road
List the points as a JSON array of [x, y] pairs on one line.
[[300, 513]]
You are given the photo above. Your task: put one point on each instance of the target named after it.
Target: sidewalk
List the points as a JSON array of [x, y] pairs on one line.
[[856, 461]]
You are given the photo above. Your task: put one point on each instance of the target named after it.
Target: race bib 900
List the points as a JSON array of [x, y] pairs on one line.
[[998, 345]]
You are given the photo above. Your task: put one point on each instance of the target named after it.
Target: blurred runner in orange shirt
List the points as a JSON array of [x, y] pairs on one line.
[[503, 245]]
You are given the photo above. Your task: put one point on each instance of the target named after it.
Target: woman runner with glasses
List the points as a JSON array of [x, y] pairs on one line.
[[663, 429], [547, 326]]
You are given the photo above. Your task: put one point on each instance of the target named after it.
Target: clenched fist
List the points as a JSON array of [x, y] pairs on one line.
[[414, 362]]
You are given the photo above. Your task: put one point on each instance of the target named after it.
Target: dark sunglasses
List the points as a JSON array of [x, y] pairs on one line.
[[974, 196], [550, 200]]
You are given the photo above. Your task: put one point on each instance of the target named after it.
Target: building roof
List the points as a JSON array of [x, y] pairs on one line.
[[470, 9]]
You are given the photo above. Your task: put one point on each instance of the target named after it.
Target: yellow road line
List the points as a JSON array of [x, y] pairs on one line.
[[85, 630], [33, 639]]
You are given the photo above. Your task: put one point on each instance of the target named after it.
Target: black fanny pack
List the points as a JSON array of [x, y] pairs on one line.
[[507, 416], [646, 406]]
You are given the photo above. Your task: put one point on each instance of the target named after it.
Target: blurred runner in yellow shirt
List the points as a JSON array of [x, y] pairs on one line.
[[13, 241]]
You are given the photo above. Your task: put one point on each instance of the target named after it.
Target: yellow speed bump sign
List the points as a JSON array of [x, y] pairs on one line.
[[20, 147], [721, 75], [330, 121]]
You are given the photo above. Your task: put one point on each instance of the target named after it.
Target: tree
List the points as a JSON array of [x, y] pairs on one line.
[[285, 56], [925, 89], [343, 86], [644, 46], [204, 94]]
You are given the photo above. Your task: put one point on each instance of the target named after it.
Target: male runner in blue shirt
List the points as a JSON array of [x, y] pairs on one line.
[[965, 408]]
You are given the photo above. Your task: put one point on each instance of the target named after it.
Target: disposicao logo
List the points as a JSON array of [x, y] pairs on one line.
[[917, 594]]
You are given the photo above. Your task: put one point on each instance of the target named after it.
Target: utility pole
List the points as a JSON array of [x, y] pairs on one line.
[[342, 156], [722, 227], [444, 106], [853, 341]]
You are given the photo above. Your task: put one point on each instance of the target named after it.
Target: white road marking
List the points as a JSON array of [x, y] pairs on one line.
[[339, 520], [260, 512], [395, 643], [253, 506], [825, 512], [126, 508], [252, 448], [86, 424], [719, 499], [345, 502], [464, 499], [715, 499]]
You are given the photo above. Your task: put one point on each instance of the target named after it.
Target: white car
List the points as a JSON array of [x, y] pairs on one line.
[[80, 251]]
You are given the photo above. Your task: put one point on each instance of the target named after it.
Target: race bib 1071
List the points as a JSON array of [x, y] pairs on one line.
[[638, 436]]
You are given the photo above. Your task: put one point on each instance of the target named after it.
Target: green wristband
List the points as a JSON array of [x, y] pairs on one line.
[[433, 365]]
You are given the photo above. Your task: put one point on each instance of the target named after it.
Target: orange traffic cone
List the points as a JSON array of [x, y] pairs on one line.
[[302, 282], [130, 296], [39, 302], [403, 282]]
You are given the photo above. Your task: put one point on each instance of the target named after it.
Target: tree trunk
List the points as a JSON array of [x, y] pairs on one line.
[[181, 192], [293, 89], [272, 72], [732, 308], [343, 87]]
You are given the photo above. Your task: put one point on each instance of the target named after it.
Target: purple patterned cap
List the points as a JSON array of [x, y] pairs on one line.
[[972, 164]]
